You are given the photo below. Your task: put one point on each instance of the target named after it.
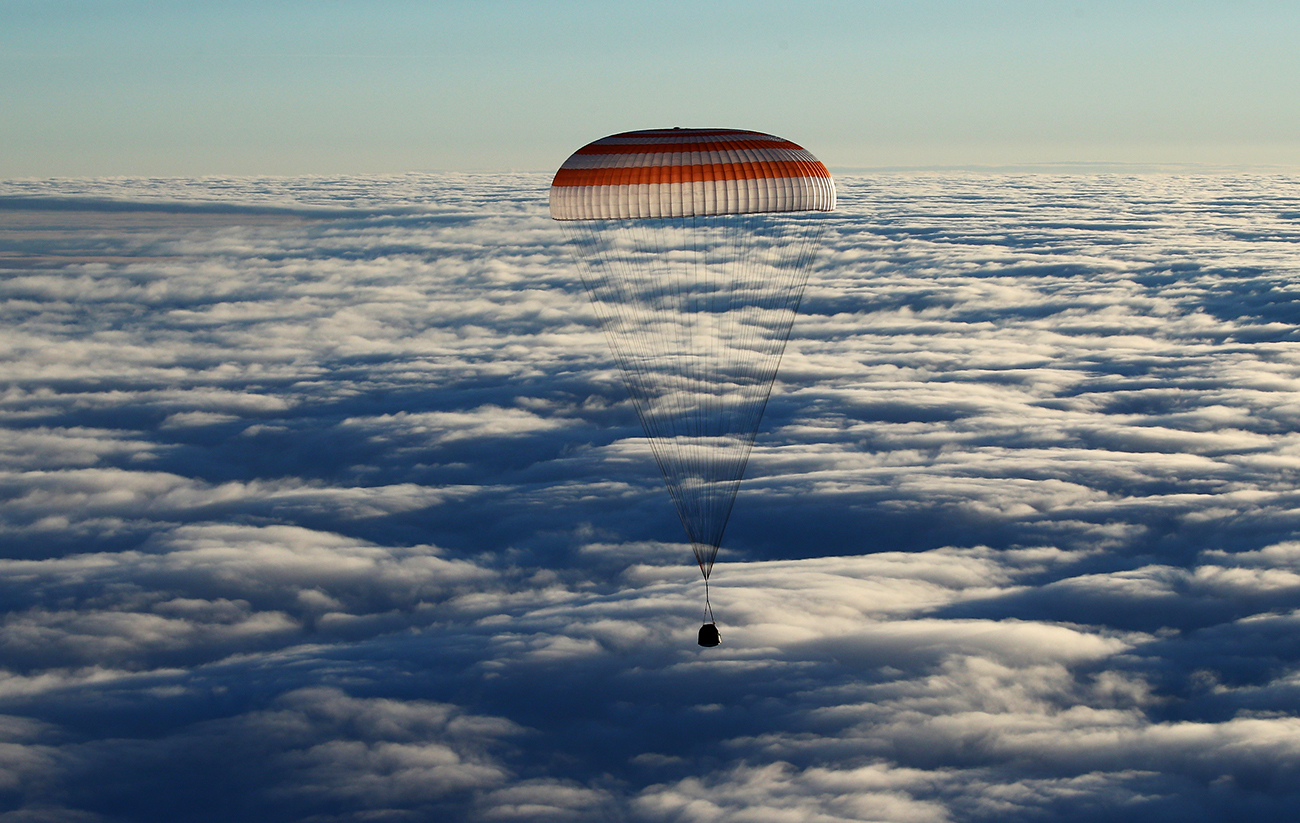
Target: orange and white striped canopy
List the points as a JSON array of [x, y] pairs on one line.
[[689, 172]]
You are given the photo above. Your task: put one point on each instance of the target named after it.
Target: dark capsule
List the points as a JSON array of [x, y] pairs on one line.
[[709, 635]]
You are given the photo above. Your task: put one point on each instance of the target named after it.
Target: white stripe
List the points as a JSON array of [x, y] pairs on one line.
[[710, 197]]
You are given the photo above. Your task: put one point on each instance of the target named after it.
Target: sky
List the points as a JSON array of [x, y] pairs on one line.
[[321, 499], [163, 88]]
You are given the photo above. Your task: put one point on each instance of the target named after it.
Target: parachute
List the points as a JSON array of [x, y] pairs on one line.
[[694, 246]]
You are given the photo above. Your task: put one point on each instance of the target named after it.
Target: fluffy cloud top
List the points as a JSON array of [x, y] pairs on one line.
[[321, 499]]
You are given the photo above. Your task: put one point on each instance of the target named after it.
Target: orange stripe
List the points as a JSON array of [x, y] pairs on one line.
[[644, 175], [674, 148]]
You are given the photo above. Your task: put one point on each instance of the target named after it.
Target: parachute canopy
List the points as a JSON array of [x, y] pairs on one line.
[[687, 173], [694, 246]]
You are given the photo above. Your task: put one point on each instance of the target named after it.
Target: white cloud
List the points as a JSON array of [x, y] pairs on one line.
[[336, 477], [779, 792], [382, 753]]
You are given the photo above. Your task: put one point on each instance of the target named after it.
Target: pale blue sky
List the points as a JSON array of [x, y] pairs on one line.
[[159, 87]]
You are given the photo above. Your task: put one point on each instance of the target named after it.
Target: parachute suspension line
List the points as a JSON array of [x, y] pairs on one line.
[[706, 457], [708, 608], [790, 298], [626, 305], [760, 334], [697, 313]]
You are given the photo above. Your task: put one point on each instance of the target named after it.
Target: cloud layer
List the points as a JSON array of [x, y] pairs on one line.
[[322, 499]]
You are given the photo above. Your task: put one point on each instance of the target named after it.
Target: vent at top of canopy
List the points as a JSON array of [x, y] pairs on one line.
[[688, 173]]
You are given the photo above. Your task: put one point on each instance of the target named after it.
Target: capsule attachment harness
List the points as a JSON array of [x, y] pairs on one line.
[[709, 631]]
